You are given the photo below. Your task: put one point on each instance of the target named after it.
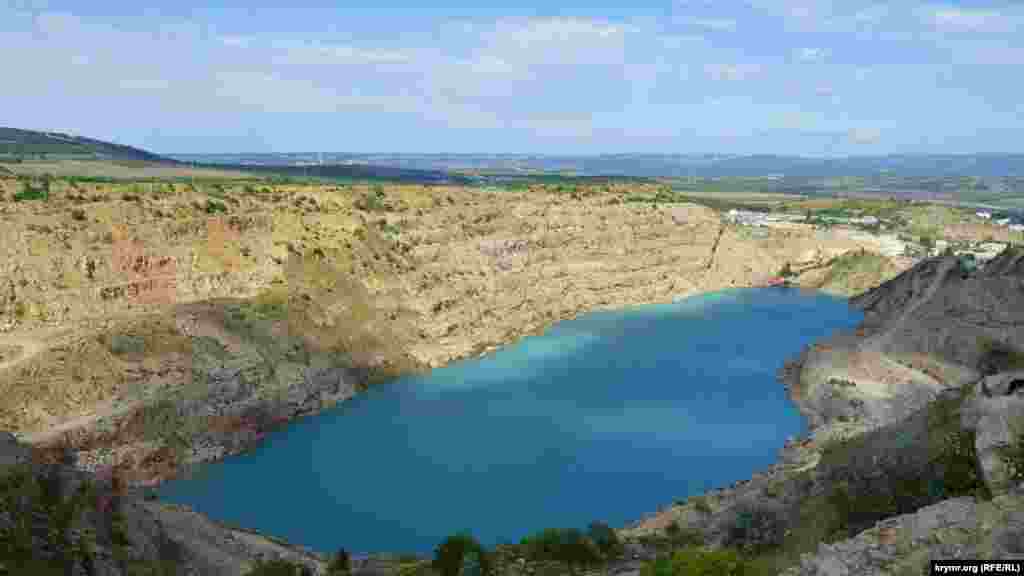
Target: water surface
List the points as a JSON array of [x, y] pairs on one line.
[[608, 417]]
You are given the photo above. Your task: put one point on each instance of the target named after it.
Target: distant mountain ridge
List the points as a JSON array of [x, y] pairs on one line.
[[15, 142], [656, 165]]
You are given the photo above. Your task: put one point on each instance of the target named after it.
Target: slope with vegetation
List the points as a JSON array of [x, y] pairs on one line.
[[151, 325]]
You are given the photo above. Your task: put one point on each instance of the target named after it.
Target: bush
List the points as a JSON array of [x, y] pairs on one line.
[[213, 207], [32, 192], [756, 530], [702, 505], [340, 564], [462, 555], [373, 201], [569, 546], [606, 539], [698, 562], [279, 567]]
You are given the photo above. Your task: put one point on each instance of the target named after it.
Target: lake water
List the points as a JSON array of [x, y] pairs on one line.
[[607, 417]]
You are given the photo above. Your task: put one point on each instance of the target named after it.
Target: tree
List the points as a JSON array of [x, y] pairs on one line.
[[340, 564], [461, 554], [606, 540]]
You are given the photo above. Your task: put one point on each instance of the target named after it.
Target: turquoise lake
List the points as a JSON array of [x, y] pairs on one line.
[[607, 417]]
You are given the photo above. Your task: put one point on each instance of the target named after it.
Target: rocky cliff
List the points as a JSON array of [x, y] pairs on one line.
[[151, 326], [917, 440]]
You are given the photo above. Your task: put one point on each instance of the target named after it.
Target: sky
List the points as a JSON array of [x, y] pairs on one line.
[[806, 77]]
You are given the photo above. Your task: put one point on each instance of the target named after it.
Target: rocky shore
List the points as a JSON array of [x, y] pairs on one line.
[[913, 417]]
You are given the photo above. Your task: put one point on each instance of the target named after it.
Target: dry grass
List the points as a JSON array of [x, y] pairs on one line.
[[119, 170], [65, 381]]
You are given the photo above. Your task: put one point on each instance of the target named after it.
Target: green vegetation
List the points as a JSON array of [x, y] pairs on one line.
[[702, 505], [996, 356], [855, 272], [855, 501], [373, 201], [31, 191], [339, 565], [1012, 456], [214, 207], [573, 547], [696, 561], [41, 511], [679, 537], [462, 555], [279, 567]]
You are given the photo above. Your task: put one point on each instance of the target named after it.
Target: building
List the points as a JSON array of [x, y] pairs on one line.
[[985, 215], [747, 218]]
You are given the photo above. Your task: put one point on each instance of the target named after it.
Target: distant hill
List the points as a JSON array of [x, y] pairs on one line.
[[15, 143], [657, 165]]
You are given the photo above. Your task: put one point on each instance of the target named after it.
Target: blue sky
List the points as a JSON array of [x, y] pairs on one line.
[[810, 77]]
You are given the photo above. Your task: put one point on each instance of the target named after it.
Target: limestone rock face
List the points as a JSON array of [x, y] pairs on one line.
[[933, 327], [996, 414]]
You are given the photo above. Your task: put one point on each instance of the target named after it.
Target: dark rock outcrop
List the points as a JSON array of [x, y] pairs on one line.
[[56, 519]]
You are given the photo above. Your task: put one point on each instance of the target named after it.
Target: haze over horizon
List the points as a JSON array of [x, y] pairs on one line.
[[796, 77]]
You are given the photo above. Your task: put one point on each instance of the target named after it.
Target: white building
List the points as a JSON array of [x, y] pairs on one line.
[[747, 217], [985, 215]]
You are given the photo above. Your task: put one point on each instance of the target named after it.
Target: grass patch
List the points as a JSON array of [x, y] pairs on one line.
[[856, 272], [696, 561], [702, 505]]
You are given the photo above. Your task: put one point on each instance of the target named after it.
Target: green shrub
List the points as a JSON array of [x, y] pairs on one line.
[[678, 536], [702, 505], [339, 565], [373, 201], [1012, 456], [32, 192], [566, 545], [461, 555], [279, 567], [126, 344], [213, 207], [698, 562], [606, 539], [756, 530]]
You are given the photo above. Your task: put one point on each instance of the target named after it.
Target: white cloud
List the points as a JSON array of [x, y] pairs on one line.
[[237, 41], [811, 54], [963, 20], [716, 24], [732, 72], [864, 135]]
